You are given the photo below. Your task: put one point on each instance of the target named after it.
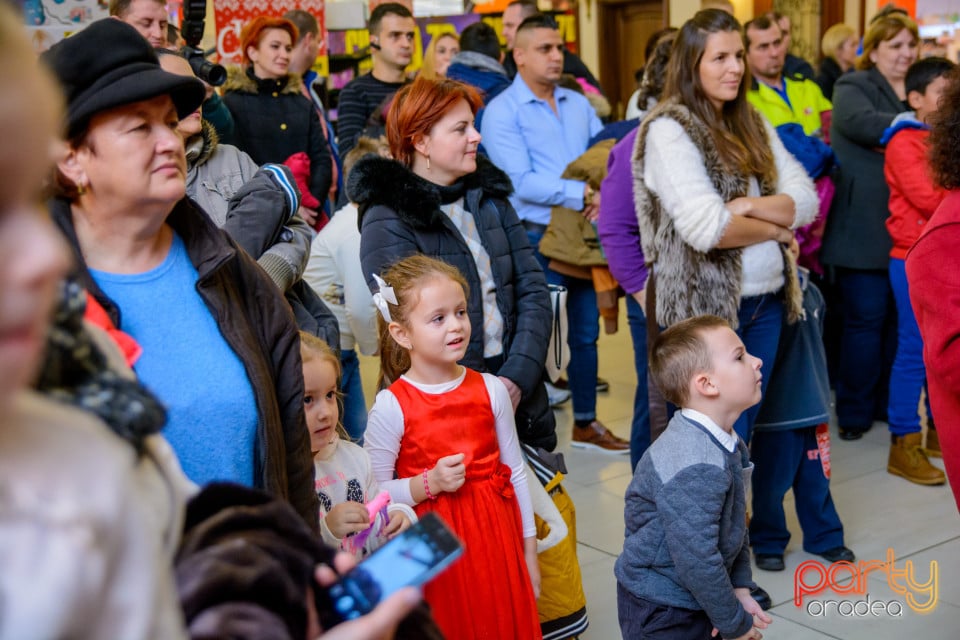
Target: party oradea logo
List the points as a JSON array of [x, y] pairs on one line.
[[815, 582]]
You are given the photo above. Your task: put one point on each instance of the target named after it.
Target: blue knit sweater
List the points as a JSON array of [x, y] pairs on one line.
[[686, 538]]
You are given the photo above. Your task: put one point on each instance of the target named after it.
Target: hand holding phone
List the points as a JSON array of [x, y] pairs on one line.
[[378, 624], [410, 559]]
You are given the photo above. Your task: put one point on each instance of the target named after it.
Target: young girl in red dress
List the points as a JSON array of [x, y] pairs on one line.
[[442, 438]]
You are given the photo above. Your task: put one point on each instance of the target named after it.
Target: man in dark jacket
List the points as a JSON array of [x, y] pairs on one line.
[[478, 63], [518, 11]]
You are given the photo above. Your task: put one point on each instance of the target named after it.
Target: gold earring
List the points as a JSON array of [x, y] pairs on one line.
[[428, 163], [81, 189]]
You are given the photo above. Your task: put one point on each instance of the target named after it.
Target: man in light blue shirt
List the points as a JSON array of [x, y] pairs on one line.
[[532, 131]]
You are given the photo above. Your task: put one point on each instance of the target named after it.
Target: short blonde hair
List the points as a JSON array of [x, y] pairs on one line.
[[679, 353], [833, 39]]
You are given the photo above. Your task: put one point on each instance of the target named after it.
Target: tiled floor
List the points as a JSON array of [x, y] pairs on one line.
[[879, 511]]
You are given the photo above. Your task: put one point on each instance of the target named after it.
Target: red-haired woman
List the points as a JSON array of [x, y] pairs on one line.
[[438, 197], [274, 121]]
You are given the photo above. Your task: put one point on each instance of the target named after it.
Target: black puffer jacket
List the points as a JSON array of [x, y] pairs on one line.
[[274, 121], [400, 215], [258, 325]]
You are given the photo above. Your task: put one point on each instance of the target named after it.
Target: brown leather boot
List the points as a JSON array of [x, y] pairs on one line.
[[933, 444], [909, 461]]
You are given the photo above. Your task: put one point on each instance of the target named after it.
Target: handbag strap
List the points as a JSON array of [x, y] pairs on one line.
[[555, 291]]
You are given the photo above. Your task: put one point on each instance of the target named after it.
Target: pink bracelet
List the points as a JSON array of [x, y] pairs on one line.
[[426, 486]]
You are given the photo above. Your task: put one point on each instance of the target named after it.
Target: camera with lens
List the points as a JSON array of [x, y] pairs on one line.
[[194, 12], [210, 72]]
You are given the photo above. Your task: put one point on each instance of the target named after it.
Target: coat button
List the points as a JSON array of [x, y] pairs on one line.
[[283, 126], [275, 94]]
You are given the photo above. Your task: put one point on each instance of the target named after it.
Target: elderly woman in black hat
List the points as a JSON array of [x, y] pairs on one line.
[[219, 344]]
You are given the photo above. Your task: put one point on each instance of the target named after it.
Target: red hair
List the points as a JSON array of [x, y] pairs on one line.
[[417, 107], [253, 31]]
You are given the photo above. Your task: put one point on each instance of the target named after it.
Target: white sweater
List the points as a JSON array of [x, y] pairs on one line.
[[345, 474], [334, 272], [675, 171], [385, 431]]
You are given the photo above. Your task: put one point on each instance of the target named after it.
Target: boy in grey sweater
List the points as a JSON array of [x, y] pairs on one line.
[[685, 568]]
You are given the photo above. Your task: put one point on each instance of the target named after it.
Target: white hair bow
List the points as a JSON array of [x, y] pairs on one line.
[[383, 296]]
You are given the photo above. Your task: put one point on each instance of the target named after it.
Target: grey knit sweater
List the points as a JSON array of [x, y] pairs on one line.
[[686, 538]]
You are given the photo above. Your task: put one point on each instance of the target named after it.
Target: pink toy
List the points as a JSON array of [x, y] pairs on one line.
[[378, 503]]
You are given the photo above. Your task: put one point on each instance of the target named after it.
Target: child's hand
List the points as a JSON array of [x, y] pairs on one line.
[[346, 518], [533, 564], [449, 474], [760, 618], [398, 523]]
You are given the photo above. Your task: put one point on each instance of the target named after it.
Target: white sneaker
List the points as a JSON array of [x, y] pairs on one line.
[[556, 396]]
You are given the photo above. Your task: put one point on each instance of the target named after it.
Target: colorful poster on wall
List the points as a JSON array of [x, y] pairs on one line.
[[49, 21], [231, 15]]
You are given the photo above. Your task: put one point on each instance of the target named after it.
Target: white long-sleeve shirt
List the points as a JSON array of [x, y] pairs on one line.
[[334, 272], [675, 171], [385, 431]]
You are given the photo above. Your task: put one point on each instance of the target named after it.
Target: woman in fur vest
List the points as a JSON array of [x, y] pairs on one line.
[[718, 196], [274, 121], [439, 198]]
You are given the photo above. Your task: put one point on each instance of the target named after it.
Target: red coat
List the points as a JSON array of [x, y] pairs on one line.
[[933, 273], [913, 196]]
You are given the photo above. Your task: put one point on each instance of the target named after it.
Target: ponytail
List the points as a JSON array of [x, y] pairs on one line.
[[406, 277]]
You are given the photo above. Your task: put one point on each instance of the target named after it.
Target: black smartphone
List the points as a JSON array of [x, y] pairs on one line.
[[411, 559]]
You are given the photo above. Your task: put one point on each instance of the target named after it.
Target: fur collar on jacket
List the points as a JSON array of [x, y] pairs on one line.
[[201, 147], [381, 181], [690, 283], [242, 80]]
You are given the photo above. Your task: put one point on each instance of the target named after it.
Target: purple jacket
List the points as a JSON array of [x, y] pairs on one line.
[[618, 228]]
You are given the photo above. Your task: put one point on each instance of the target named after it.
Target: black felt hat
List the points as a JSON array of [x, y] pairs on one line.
[[110, 64]]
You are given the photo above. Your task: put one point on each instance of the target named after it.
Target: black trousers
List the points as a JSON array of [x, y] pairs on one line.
[[644, 620]]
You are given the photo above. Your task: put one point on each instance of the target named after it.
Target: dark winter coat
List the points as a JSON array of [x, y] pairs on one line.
[[864, 105], [400, 215], [258, 325], [274, 121], [830, 72]]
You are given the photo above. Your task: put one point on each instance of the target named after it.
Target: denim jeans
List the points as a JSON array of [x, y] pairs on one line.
[[354, 405], [866, 346], [785, 459], [640, 427], [583, 321], [761, 318], [908, 374]]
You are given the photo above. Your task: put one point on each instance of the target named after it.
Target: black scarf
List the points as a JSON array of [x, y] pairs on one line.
[[75, 372]]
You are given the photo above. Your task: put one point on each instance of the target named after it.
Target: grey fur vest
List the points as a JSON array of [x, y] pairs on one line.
[[690, 283]]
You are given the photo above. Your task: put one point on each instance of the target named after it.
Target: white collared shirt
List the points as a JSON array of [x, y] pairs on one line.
[[728, 440]]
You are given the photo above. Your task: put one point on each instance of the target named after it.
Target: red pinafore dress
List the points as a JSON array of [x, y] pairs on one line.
[[486, 594]]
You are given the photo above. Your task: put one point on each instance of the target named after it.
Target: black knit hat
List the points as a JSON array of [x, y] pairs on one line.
[[110, 64]]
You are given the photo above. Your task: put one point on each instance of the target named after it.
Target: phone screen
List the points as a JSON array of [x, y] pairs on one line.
[[410, 559]]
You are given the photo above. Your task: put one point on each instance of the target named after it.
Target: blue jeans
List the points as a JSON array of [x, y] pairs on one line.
[[640, 427], [354, 405], [583, 321], [908, 374], [865, 346], [761, 318], [785, 459]]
